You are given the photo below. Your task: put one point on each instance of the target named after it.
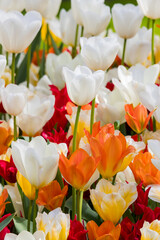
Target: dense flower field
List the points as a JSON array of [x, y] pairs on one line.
[[79, 120]]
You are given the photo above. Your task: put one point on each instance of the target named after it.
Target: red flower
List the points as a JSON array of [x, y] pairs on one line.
[[77, 231], [8, 170], [110, 86], [61, 96], [7, 228]]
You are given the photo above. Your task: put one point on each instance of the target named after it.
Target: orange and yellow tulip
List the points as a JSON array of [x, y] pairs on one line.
[[106, 230], [137, 117], [144, 170], [6, 137], [78, 170], [3, 198], [112, 148], [51, 196]]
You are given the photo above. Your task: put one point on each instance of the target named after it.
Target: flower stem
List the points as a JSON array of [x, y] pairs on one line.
[[74, 49], [1, 50], [15, 128], [47, 38], [29, 214], [30, 138], [154, 124], [79, 204], [82, 31], [59, 179], [152, 47], [114, 179], [124, 50], [73, 150], [139, 137], [13, 68], [35, 211], [92, 115], [28, 64], [7, 58]]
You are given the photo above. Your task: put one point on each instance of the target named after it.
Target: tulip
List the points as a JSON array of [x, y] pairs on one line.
[[55, 225], [36, 161], [111, 201], [137, 117], [2, 65], [6, 137], [92, 14], [8, 5], [143, 169], [126, 19], [149, 9], [14, 98], [74, 173], [103, 144], [38, 235], [154, 192], [104, 231], [8, 169], [99, 53], [51, 196], [77, 230], [13, 23], [150, 231], [82, 80], [153, 146], [36, 113], [3, 198]]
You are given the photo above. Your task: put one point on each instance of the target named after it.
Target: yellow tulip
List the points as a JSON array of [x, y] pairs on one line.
[[150, 231], [111, 201]]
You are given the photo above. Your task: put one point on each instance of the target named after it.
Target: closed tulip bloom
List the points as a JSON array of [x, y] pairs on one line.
[[38, 235], [36, 161], [92, 14], [149, 9], [150, 231], [8, 5], [82, 84], [111, 201], [17, 31], [55, 224], [79, 169], [2, 64], [137, 117], [14, 98], [99, 53], [126, 19], [51, 8], [36, 113], [106, 230]]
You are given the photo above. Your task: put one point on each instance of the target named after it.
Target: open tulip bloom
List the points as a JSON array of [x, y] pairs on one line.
[[79, 120]]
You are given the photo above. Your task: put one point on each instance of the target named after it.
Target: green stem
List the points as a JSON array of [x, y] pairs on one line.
[[148, 23], [7, 58], [82, 31], [79, 204], [28, 64], [13, 68], [152, 47], [154, 124], [30, 138], [0, 48], [74, 49], [59, 179], [35, 211], [15, 128], [47, 38], [73, 150], [92, 115], [139, 137], [114, 179], [29, 214], [124, 50]]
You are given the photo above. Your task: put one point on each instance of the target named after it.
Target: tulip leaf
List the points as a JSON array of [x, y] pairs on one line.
[[56, 50], [22, 71], [21, 224], [6, 222], [88, 213], [42, 65]]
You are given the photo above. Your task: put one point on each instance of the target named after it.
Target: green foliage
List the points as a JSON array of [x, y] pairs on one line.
[[6, 222]]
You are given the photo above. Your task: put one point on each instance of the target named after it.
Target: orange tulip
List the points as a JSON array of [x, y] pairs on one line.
[[114, 153], [78, 170], [3, 198], [137, 118], [144, 170], [107, 230], [5, 137], [51, 196]]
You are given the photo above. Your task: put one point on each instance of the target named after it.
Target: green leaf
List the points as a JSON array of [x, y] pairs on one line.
[[6, 222], [56, 50], [22, 71], [21, 224], [42, 65]]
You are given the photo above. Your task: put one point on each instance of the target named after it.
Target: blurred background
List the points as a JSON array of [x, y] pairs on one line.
[[66, 3]]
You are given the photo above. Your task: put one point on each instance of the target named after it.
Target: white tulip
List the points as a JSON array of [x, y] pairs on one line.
[[150, 8], [14, 98], [25, 235], [55, 64], [17, 31], [154, 192], [154, 149], [8, 5], [36, 160], [36, 113], [126, 19], [94, 15], [2, 64], [68, 27], [51, 8], [99, 53], [82, 84], [150, 231], [36, 5]]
